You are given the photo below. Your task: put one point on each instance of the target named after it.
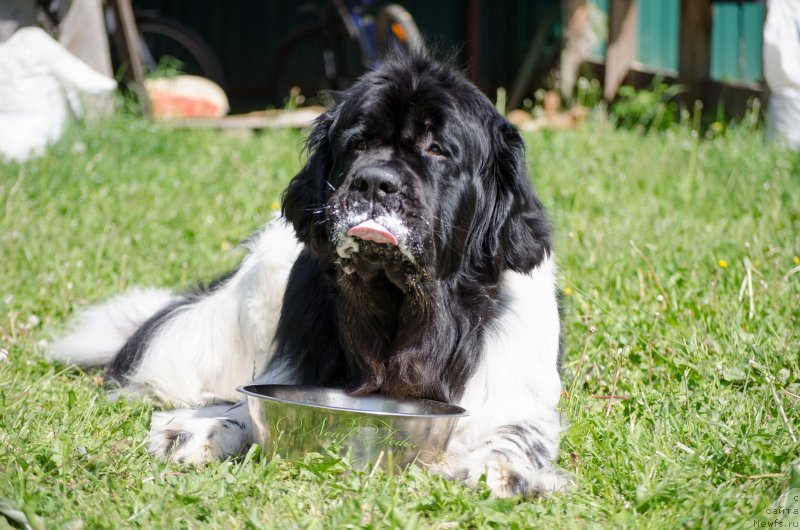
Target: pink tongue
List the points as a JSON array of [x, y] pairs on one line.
[[372, 231]]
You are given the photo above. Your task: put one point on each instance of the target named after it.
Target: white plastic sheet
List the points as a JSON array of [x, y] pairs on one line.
[[41, 86], [782, 70]]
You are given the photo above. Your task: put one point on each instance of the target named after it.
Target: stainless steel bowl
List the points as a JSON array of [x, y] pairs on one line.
[[371, 430]]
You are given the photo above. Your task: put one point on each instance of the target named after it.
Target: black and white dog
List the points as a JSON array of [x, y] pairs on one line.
[[413, 259]]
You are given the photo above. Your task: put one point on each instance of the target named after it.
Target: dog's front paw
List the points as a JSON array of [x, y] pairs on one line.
[[504, 479], [191, 437], [508, 474]]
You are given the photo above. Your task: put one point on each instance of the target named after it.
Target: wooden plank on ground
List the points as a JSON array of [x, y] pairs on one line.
[[298, 119]]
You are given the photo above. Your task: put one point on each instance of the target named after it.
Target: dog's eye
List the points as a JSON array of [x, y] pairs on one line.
[[361, 146], [435, 149]]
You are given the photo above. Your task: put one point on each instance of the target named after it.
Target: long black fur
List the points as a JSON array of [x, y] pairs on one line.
[[407, 327]]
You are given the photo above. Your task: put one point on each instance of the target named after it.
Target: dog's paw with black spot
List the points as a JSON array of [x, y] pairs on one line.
[[507, 473], [505, 479], [183, 436]]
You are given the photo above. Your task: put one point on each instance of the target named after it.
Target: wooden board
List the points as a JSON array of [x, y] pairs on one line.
[[623, 20], [694, 54]]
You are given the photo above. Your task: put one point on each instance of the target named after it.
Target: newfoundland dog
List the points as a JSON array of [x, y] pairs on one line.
[[412, 259]]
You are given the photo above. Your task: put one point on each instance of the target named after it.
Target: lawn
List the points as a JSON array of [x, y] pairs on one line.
[[679, 268]]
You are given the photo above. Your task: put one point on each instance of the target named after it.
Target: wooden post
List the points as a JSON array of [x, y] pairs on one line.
[[623, 21], [128, 38], [577, 36], [694, 55]]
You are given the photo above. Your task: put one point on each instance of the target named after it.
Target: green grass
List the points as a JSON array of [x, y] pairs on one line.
[[645, 225]]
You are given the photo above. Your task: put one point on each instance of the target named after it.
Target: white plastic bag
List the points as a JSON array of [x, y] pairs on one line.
[[782, 70], [41, 83]]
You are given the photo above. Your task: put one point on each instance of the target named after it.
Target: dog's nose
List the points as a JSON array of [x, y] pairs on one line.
[[375, 182]]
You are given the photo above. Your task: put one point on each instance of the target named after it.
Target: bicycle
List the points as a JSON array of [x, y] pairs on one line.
[[342, 24]]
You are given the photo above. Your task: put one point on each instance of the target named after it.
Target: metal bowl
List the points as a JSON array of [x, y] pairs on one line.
[[292, 421]]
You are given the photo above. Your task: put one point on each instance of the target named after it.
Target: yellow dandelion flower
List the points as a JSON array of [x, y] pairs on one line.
[[722, 263], [797, 260], [567, 291], [275, 205]]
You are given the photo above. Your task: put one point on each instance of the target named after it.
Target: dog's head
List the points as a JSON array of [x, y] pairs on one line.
[[413, 174]]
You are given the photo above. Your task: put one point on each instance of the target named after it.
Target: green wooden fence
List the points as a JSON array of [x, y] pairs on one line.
[[735, 38]]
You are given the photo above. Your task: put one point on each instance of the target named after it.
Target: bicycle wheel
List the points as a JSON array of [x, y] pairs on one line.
[[396, 31], [163, 37]]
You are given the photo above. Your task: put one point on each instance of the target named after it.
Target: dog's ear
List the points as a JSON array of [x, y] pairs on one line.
[[303, 202], [517, 236]]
